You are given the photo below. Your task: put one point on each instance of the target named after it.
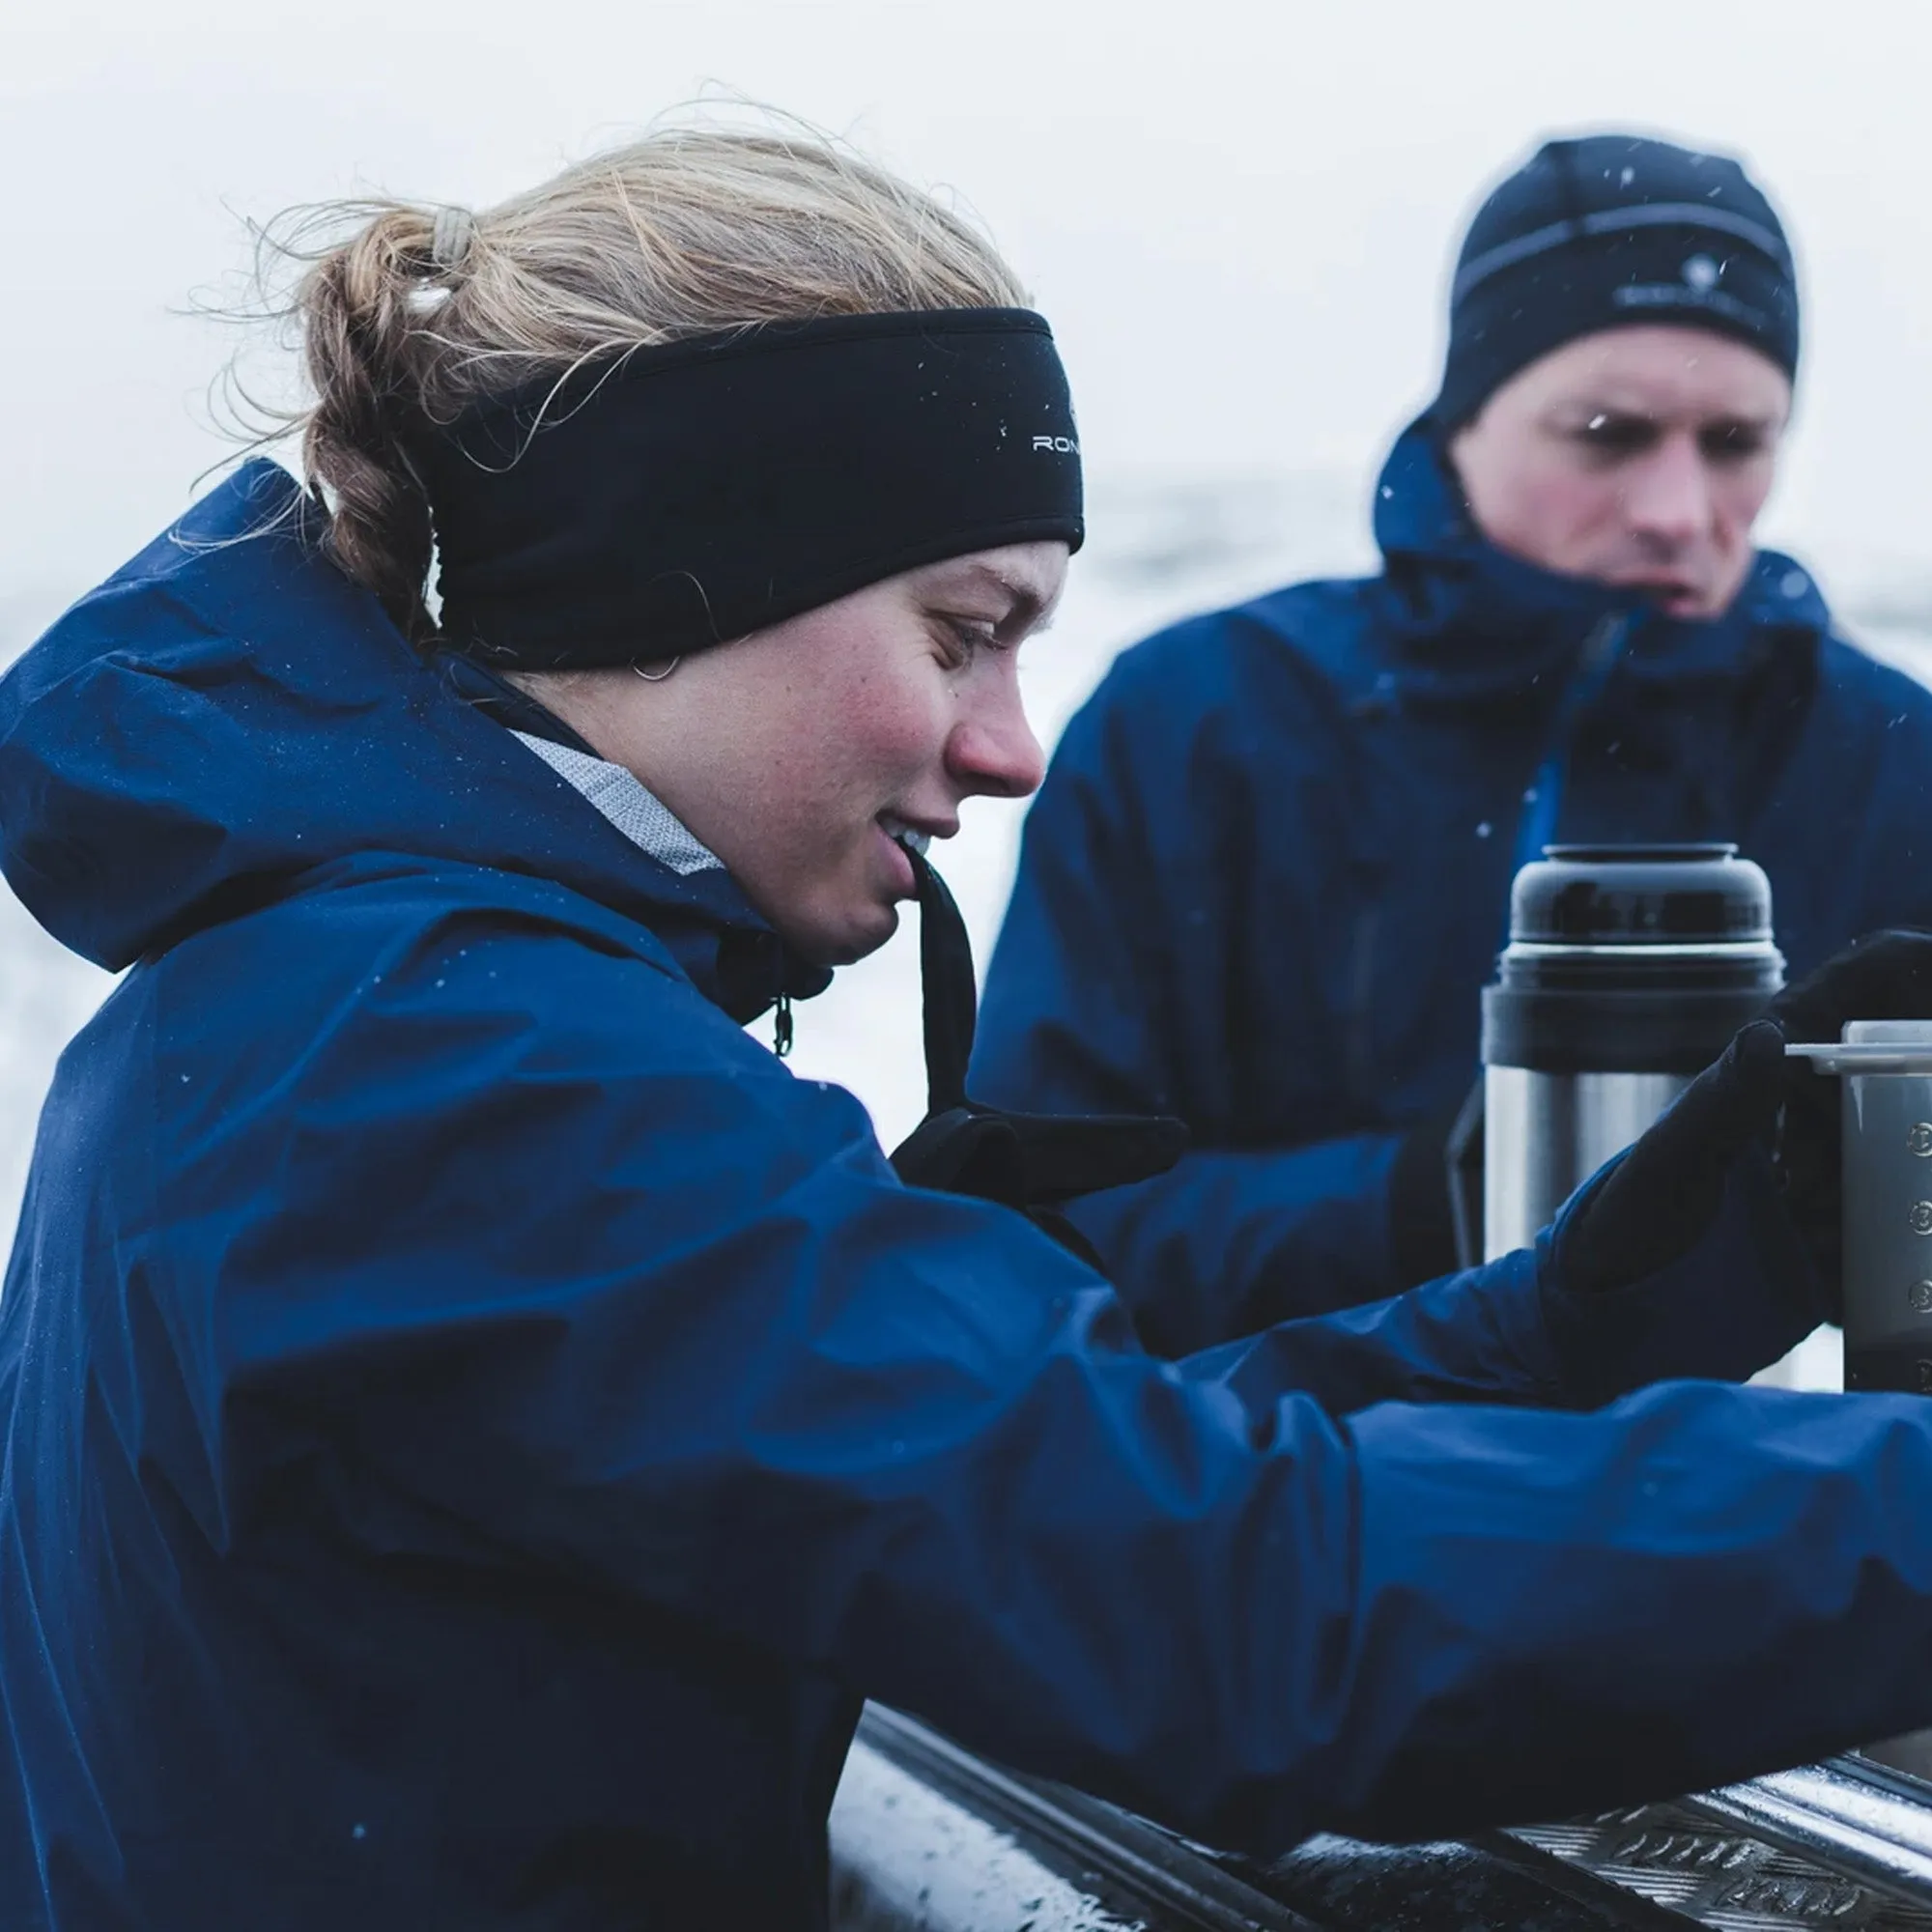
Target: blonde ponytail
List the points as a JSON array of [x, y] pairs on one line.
[[424, 310]]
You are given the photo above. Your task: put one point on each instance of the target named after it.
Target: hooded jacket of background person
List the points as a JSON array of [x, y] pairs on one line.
[[1269, 870]]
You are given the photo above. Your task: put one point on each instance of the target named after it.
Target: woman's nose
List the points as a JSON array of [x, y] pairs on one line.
[[992, 752]]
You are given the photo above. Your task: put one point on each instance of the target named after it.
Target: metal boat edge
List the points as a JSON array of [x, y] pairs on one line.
[[928, 1835]]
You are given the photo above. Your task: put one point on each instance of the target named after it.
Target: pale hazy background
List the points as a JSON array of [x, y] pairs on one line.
[[1238, 217]]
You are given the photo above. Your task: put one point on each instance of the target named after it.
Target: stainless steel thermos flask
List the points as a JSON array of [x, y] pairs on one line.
[[1627, 970]]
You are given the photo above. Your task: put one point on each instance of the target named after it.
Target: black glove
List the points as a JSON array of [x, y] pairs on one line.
[[1662, 1197], [1033, 1162], [1657, 1204]]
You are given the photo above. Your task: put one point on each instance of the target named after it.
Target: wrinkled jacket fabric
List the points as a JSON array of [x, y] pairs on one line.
[[476, 1424], [1268, 872]]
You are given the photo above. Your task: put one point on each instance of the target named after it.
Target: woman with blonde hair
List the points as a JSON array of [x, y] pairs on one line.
[[477, 1426]]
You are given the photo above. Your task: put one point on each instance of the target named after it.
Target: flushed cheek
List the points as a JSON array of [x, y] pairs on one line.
[[897, 721]]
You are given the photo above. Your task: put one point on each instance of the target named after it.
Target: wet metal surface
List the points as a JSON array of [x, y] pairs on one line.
[[927, 1835], [907, 1854], [1732, 1881]]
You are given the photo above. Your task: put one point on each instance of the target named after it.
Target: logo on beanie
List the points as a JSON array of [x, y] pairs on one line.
[[1698, 289]]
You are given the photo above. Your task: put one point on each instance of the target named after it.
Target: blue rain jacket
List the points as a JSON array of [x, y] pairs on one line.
[[474, 1424], [1269, 873]]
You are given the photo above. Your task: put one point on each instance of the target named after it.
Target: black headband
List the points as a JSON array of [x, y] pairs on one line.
[[682, 495]]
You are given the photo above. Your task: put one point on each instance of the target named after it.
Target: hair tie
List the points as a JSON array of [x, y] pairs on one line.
[[450, 239]]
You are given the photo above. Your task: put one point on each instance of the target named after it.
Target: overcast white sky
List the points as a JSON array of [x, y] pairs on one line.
[[1239, 215]]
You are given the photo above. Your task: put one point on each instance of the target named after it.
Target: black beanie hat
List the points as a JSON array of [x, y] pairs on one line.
[[1605, 232]]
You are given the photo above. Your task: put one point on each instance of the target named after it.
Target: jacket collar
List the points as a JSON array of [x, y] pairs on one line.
[[1469, 622]]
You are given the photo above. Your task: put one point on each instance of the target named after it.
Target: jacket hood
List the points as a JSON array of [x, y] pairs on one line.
[[229, 715], [1469, 622]]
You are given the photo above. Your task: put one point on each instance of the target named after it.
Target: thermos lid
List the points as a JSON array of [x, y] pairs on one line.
[[1662, 895], [1631, 959]]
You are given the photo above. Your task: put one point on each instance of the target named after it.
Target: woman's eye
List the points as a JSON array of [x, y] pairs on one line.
[[968, 634]]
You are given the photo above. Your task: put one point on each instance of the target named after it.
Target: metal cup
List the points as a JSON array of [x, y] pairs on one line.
[[1887, 1206]]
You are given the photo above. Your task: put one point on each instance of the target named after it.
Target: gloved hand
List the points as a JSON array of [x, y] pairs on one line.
[[1661, 1198], [1658, 1201]]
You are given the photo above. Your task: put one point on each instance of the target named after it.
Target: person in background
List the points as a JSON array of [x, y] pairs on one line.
[[1269, 870], [476, 1426]]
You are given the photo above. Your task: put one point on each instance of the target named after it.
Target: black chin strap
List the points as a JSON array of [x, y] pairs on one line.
[[1033, 1162]]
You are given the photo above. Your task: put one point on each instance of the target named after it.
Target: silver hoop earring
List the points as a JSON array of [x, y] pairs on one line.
[[656, 676]]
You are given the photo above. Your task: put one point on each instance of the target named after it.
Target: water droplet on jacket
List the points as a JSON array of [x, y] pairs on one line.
[[1484, 829], [1794, 583]]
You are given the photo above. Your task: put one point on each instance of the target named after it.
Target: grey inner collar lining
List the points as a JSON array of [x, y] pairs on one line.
[[642, 817]]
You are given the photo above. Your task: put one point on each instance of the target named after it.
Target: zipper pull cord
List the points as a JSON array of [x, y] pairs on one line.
[[781, 1026]]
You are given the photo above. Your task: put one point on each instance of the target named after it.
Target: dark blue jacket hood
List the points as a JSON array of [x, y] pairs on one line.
[[1465, 622], [220, 722]]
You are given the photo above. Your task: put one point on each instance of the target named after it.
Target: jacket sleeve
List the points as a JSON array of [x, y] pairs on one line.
[[1108, 992], [599, 1291]]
